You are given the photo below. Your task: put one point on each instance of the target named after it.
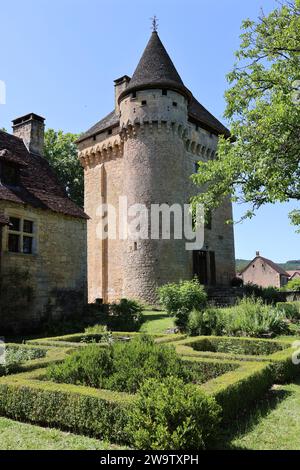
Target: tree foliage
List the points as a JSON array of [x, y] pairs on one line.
[[61, 152], [261, 163]]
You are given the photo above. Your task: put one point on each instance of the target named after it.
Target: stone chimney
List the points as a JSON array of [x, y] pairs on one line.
[[120, 85], [257, 253], [30, 129]]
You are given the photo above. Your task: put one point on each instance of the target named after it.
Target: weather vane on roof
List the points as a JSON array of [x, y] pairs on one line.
[[154, 23]]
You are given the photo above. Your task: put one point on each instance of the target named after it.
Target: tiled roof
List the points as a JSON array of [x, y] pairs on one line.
[[292, 273], [39, 186], [8, 156], [273, 265], [111, 120], [204, 117]]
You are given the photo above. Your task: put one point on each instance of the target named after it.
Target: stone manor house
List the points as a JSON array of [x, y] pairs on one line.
[[146, 149], [264, 272], [42, 233]]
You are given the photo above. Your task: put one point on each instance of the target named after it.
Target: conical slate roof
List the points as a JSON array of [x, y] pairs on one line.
[[156, 69]]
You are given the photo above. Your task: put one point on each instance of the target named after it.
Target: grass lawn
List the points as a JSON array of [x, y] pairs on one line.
[[156, 322], [274, 423], [20, 436]]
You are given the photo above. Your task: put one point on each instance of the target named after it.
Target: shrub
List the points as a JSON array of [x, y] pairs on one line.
[[125, 315], [169, 297], [237, 390], [251, 317], [180, 299], [96, 333], [269, 295], [102, 414], [237, 282], [204, 322], [120, 366], [230, 345], [15, 356], [293, 284], [181, 318], [90, 366], [283, 367], [185, 294], [291, 309], [170, 415]]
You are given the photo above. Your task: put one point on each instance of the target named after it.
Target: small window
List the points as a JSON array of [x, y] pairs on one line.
[[196, 167], [174, 104], [28, 226], [9, 174], [94, 137], [164, 92], [133, 94], [20, 235], [13, 243], [135, 246], [14, 224], [144, 102], [27, 245]]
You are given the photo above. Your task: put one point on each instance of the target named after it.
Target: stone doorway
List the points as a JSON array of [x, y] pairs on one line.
[[204, 267]]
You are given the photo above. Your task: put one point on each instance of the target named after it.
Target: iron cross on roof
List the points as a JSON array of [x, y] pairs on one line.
[[154, 23]]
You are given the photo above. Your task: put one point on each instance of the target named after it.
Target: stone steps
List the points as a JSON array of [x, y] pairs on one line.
[[224, 296]]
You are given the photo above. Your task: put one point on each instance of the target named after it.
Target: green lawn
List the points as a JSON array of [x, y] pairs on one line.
[[274, 423], [20, 436], [156, 322]]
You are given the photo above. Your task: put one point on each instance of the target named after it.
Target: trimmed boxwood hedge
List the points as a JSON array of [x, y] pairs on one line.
[[80, 339], [236, 390], [281, 360], [231, 345], [210, 368], [282, 365], [103, 413], [83, 410], [234, 381], [49, 356]]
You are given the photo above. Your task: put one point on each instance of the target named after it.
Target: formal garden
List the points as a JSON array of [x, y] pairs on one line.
[[186, 375]]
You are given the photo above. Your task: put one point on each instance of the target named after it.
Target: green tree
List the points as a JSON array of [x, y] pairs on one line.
[[61, 152], [261, 163]]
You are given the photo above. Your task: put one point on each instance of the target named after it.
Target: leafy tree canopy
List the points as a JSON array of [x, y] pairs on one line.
[[261, 163], [61, 152]]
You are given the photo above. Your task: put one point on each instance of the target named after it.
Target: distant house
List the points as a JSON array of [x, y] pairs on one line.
[[42, 232], [264, 273], [294, 274]]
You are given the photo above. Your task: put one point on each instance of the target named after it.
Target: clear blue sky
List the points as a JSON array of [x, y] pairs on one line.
[[59, 59]]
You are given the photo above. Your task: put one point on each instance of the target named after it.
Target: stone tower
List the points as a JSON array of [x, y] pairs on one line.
[[146, 150]]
